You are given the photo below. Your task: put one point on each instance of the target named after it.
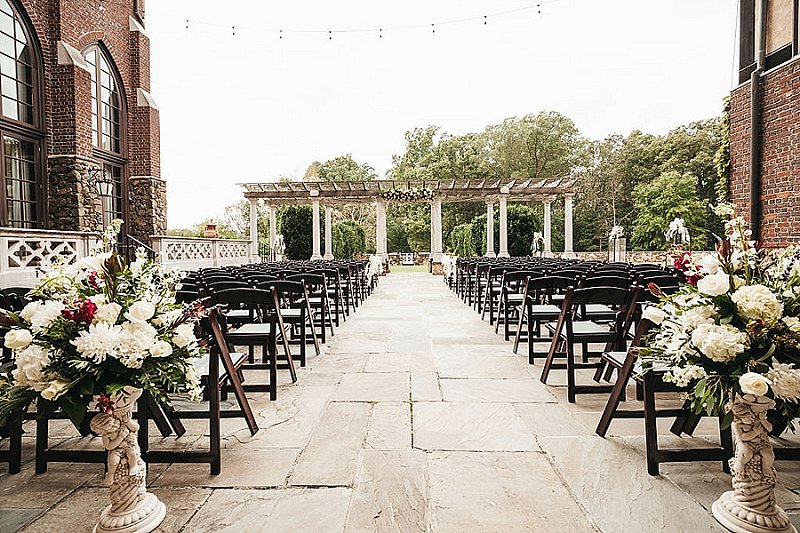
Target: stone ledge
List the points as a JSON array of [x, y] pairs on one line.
[[69, 55]]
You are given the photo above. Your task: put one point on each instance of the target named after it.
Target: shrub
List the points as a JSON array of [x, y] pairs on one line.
[[523, 221], [349, 238], [296, 224], [461, 241]]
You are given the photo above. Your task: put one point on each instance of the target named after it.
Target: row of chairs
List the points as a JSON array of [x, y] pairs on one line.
[[564, 305], [270, 308]]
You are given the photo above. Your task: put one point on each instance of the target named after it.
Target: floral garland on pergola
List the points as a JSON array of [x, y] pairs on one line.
[[414, 194]]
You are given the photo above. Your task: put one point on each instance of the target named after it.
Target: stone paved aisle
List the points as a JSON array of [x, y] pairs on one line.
[[416, 418]]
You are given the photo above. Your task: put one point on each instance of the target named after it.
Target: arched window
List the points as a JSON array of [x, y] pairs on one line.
[[20, 120], [108, 127]]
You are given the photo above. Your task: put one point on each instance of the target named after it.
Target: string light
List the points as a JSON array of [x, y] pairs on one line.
[[380, 29]]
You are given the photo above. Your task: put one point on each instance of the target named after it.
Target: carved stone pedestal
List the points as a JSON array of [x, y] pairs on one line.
[[132, 509], [750, 507]]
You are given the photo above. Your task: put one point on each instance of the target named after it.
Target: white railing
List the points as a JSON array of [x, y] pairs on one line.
[[191, 253], [24, 252]]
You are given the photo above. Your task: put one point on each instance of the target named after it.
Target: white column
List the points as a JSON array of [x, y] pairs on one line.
[[436, 230], [503, 229], [273, 229], [490, 229], [328, 233], [548, 234], [568, 251], [380, 229], [253, 230], [315, 255]]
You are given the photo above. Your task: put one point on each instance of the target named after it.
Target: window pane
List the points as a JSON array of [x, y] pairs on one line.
[[7, 24], [10, 108], [20, 176], [7, 46]]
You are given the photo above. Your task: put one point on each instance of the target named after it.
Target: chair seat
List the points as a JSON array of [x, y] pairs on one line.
[[600, 311], [249, 332], [583, 328], [202, 364], [293, 313], [515, 298], [545, 310]]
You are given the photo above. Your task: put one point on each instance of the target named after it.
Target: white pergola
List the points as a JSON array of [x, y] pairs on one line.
[[332, 193]]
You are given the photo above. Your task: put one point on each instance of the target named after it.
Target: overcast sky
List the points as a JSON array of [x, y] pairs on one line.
[[243, 105]]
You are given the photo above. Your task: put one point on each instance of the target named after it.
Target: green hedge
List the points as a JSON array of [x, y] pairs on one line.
[[461, 241], [349, 238], [296, 224], [523, 221]]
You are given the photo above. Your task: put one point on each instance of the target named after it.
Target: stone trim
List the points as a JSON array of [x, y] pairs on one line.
[[69, 55], [154, 178], [145, 99], [136, 26]]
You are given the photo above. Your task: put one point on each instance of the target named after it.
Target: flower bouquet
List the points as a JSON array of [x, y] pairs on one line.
[[103, 331], [733, 337], [414, 194]]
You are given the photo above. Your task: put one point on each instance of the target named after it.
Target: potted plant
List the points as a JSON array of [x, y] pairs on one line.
[[97, 334], [733, 337]]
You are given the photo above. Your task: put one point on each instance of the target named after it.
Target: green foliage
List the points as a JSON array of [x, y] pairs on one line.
[[408, 227], [523, 221], [431, 155], [722, 159], [342, 168], [668, 196], [461, 241], [543, 146], [296, 225], [348, 239]]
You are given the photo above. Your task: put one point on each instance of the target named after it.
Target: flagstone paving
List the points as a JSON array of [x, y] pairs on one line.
[[417, 417]]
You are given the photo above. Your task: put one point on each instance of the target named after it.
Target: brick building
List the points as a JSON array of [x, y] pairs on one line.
[[80, 130], [765, 121]]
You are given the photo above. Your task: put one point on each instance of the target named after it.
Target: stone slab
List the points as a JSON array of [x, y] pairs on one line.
[[470, 426], [494, 390], [389, 427], [425, 387], [378, 387]]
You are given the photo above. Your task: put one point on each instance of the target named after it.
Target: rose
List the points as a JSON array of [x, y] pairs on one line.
[[107, 313], [18, 339], [161, 349], [184, 335], [715, 284], [140, 311], [752, 383], [29, 311], [710, 264], [54, 389], [654, 314]]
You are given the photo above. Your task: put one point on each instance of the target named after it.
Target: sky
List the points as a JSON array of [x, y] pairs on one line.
[[239, 104]]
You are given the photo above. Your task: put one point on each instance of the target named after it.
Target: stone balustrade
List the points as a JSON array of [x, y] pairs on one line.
[[191, 253]]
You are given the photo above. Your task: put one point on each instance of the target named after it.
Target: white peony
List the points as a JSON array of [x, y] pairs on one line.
[[184, 335], [29, 365], [720, 343], [700, 314], [785, 380], [18, 339], [710, 264], [161, 349], [715, 284], [141, 311], [107, 313], [40, 314], [55, 389], [135, 342], [99, 341], [93, 263], [752, 383], [29, 311], [757, 302], [166, 319], [654, 314]]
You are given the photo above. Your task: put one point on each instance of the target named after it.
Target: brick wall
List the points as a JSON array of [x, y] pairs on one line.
[[67, 88], [780, 157]]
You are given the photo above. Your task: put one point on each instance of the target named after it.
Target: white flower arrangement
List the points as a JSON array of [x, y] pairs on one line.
[[414, 194], [678, 232], [617, 232], [93, 328], [736, 328]]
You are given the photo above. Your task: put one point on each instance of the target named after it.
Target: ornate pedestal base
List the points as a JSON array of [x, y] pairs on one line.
[[144, 518], [740, 519], [750, 507], [132, 509]]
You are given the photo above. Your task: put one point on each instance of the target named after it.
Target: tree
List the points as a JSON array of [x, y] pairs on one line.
[[462, 242], [235, 222], [543, 146], [296, 227], [657, 203], [522, 222], [348, 239]]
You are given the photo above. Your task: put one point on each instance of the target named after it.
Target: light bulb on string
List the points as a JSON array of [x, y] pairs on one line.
[[330, 35], [539, 8], [485, 20], [433, 28], [233, 31], [187, 24], [380, 33], [280, 34]]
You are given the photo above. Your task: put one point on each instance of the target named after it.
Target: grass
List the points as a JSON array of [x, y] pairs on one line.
[[415, 268]]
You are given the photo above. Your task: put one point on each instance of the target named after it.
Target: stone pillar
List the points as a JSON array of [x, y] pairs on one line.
[[490, 229], [273, 229], [328, 233], [74, 203], [568, 251], [253, 230], [503, 229], [548, 234], [315, 254], [380, 230], [436, 231]]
